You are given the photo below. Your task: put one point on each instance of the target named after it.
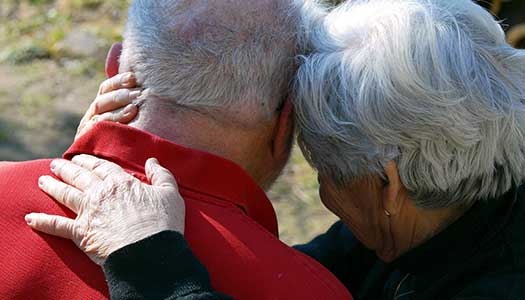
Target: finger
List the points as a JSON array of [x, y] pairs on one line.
[[85, 127], [112, 60], [88, 116], [101, 168], [124, 80], [74, 175], [114, 100], [53, 225], [123, 115], [61, 192], [158, 175]]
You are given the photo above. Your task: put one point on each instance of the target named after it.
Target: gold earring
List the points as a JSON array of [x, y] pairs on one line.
[[388, 214]]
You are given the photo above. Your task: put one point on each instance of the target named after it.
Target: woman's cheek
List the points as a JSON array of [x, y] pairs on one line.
[[329, 198], [354, 208]]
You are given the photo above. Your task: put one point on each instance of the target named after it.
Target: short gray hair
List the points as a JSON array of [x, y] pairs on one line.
[[198, 54], [430, 84]]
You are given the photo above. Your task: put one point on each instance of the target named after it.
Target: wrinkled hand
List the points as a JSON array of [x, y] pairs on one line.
[[114, 209], [113, 103]]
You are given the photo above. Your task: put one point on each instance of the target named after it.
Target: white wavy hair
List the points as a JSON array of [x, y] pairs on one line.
[[430, 84]]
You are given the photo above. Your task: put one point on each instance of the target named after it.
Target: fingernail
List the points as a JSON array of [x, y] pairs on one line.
[[54, 165], [41, 181], [135, 94], [28, 219], [128, 110]]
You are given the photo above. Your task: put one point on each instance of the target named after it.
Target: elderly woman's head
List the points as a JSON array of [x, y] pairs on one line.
[[411, 111]]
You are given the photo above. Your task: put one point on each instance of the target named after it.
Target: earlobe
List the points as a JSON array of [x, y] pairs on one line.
[[284, 131], [392, 201]]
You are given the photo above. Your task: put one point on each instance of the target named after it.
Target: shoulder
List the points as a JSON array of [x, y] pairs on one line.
[[16, 174], [18, 184], [248, 248], [4, 164], [7, 166]]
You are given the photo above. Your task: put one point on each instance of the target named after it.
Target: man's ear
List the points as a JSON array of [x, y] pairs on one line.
[[112, 60], [392, 191], [283, 133]]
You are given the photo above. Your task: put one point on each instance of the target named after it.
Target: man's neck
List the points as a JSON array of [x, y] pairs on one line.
[[200, 131], [188, 129]]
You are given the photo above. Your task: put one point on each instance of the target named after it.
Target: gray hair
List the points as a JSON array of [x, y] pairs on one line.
[[199, 54], [430, 84]]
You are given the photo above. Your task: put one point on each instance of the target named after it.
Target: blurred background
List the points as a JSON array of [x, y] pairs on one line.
[[52, 56]]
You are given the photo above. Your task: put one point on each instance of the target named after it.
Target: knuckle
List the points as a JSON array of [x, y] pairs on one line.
[[120, 77], [100, 166], [104, 117], [95, 108], [113, 116], [116, 82], [53, 223], [68, 197], [127, 182], [115, 97], [61, 193], [76, 230], [80, 234], [123, 94], [98, 163], [104, 86], [76, 175]]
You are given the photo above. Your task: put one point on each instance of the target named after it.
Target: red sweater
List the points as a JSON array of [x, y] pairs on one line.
[[230, 226]]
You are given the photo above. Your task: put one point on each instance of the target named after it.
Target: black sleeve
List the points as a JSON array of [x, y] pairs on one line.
[[159, 267], [342, 254]]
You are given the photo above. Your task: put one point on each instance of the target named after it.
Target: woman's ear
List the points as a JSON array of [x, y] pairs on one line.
[[392, 190]]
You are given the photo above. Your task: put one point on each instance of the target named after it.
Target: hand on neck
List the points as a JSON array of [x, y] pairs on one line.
[[248, 145]]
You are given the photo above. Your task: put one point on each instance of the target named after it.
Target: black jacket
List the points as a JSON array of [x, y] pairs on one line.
[[480, 256]]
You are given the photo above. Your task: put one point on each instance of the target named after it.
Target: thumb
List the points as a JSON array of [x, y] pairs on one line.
[[112, 60], [158, 175]]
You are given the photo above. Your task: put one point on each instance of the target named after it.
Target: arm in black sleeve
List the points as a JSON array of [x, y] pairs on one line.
[[159, 267], [342, 254]]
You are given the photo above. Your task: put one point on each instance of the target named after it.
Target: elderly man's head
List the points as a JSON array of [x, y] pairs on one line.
[[232, 55], [221, 69], [411, 110]]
